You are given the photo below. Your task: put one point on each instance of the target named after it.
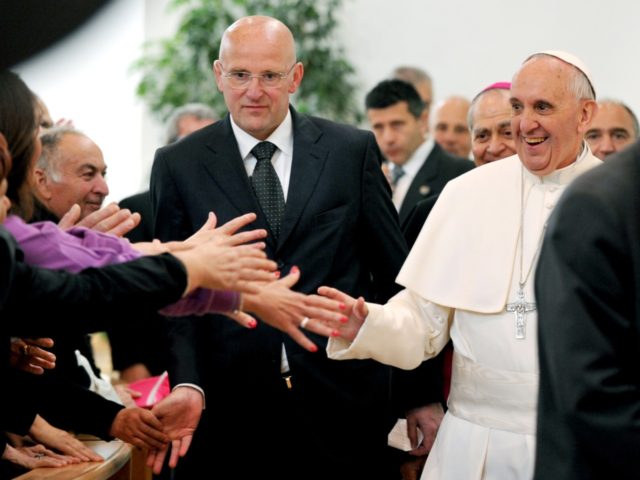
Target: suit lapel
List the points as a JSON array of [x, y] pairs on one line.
[[421, 187], [308, 160], [227, 170]]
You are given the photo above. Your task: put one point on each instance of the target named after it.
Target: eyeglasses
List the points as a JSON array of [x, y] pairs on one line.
[[241, 79]]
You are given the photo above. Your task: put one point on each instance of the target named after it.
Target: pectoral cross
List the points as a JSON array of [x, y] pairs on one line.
[[520, 308]]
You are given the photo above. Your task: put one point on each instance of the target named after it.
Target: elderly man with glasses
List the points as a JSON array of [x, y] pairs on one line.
[[273, 409]]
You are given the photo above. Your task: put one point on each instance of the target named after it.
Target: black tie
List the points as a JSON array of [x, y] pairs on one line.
[[267, 186]]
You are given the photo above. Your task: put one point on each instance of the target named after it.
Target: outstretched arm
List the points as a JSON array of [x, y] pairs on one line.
[[402, 333], [279, 306]]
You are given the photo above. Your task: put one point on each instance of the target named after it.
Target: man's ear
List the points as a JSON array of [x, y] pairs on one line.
[[587, 112], [41, 184]]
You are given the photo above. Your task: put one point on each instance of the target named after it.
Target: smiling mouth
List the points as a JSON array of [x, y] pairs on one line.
[[534, 140]]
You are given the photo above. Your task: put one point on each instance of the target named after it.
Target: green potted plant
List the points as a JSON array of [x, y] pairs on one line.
[[177, 70]]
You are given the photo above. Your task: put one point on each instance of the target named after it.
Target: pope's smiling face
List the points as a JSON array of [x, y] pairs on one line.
[[548, 121]]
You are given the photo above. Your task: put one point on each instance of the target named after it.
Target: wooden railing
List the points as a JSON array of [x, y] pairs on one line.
[[121, 462]]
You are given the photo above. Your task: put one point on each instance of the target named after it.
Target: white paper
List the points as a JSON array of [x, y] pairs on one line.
[[398, 437]]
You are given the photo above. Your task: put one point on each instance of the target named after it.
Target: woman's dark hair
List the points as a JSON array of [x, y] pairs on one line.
[[19, 126], [5, 158]]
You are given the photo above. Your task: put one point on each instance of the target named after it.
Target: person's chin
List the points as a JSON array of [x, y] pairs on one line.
[[538, 165]]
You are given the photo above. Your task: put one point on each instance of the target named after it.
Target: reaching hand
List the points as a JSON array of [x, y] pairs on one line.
[[427, 419], [356, 310], [29, 355], [227, 268], [179, 413], [277, 305], [110, 219], [43, 432], [226, 235], [139, 427]]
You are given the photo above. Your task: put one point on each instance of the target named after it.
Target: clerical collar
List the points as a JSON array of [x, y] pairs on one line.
[[281, 137]]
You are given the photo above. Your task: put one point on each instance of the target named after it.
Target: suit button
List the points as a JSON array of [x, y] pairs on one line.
[[280, 265]]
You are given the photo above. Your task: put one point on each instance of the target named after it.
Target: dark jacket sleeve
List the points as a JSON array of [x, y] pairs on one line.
[[386, 248], [93, 298]]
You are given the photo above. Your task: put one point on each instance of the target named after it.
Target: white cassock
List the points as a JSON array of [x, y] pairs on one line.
[[460, 275]]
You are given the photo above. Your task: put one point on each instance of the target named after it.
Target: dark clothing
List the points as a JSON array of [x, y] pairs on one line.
[[64, 347], [140, 203], [438, 168], [588, 295], [142, 340], [341, 229], [111, 294]]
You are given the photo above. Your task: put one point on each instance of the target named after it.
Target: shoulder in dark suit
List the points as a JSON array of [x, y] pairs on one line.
[[588, 295]]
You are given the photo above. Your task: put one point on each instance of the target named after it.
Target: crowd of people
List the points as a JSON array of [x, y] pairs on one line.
[[310, 286]]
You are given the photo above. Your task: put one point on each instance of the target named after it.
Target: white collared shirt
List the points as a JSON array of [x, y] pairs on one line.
[[282, 137], [411, 168]]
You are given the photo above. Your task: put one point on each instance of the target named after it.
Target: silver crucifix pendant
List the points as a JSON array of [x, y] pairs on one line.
[[520, 308]]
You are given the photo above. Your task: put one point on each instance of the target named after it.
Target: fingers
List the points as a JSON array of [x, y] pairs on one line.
[[93, 219], [211, 222], [302, 340], [232, 226], [120, 221], [156, 459], [70, 218], [335, 294], [126, 226], [292, 278], [42, 358], [111, 219], [43, 342], [360, 310], [185, 443], [243, 319], [245, 237]]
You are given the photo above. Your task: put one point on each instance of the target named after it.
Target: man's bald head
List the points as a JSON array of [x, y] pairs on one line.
[[257, 72], [269, 29]]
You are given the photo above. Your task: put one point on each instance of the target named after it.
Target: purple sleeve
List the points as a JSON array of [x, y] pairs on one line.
[[202, 301], [45, 245]]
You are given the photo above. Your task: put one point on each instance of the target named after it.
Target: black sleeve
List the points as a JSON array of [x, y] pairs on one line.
[[412, 226], [69, 406], [385, 246], [92, 299]]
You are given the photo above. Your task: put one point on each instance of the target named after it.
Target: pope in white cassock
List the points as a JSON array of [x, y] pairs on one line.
[[470, 275]]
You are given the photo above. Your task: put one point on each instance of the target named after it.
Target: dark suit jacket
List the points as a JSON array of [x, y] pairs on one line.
[[140, 203], [439, 167], [341, 229], [588, 295]]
